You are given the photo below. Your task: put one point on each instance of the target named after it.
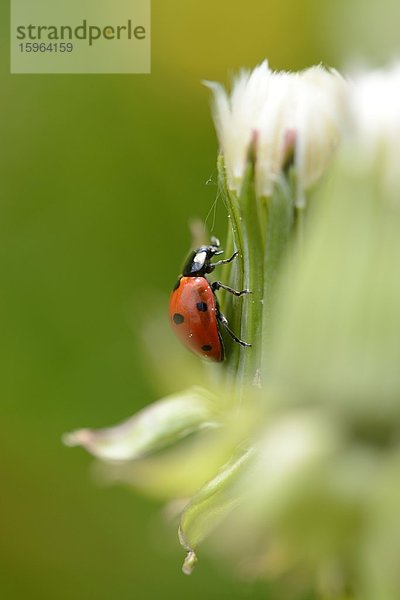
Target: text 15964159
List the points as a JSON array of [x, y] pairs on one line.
[[46, 47]]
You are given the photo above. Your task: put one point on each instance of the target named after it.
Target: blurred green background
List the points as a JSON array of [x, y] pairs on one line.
[[99, 177]]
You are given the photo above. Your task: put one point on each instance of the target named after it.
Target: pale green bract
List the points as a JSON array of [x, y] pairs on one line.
[[156, 427]]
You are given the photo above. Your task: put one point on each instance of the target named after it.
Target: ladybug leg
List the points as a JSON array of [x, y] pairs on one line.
[[218, 285], [224, 321], [225, 261]]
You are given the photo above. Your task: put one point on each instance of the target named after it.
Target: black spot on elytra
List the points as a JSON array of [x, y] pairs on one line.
[[201, 306], [178, 283], [206, 348], [178, 318]]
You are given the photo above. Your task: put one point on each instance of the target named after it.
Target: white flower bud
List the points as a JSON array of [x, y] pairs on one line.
[[280, 113]]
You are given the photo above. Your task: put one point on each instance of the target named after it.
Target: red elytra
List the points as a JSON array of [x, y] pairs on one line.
[[193, 316]]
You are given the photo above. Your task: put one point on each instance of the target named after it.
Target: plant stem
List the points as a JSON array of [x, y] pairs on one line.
[[234, 272], [260, 229], [253, 263], [279, 226]]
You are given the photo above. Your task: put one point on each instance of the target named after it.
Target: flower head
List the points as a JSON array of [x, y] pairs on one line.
[[282, 114]]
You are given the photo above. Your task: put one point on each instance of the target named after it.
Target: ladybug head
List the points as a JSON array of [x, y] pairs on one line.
[[214, 248], [199, 260]]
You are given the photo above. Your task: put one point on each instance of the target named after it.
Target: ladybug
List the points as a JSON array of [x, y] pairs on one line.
[[194, 311]]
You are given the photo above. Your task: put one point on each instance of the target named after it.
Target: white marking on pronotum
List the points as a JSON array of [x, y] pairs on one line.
[[200, 258]]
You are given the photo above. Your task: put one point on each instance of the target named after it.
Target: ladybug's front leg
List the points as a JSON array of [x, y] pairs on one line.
[[224, 261], [217, 285], [224, 321]]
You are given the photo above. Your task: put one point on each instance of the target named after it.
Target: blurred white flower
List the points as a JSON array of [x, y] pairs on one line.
[[375, 111], [280, 114]]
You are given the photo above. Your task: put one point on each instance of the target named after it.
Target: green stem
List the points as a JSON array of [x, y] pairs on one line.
[[280, 220], [260, 229], [234, 272], [252, 305]]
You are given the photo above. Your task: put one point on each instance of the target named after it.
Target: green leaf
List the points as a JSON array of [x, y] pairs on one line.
[[209, 507]]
